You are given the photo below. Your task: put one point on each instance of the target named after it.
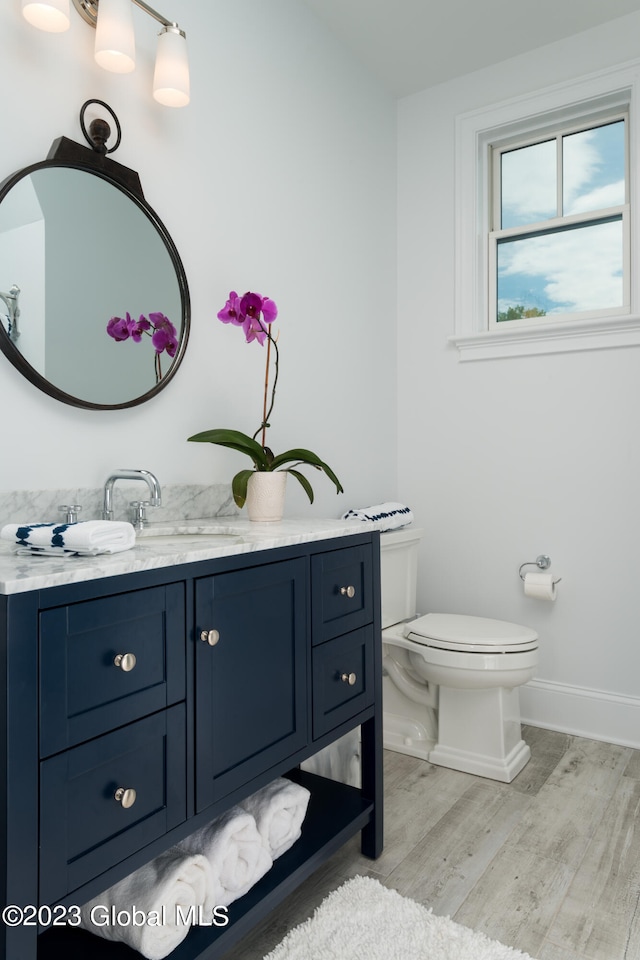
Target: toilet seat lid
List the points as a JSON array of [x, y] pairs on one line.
[[451, 631]]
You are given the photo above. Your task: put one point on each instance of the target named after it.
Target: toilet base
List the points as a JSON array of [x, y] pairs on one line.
[[504, 769], [479, 732], [403, 735]]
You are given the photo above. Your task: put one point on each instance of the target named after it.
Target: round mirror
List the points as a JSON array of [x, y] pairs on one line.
[[84, 252]]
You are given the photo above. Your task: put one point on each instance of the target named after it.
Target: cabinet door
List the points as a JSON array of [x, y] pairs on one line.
[[251, 666]]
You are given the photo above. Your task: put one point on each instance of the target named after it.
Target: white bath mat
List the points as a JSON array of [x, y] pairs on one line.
[[363, 920]]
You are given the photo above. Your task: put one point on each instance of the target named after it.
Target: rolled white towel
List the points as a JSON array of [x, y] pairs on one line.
[[386, 516], [279, 810], [87, 538], [172, 880], [232, 845]]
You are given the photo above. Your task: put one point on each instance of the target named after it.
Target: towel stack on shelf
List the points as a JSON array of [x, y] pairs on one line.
[[87, 538], [212, 867]]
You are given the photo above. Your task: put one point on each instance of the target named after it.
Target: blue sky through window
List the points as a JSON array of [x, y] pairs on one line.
[[570, 270]]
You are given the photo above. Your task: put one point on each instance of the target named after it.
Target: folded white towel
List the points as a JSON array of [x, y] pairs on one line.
[[278, 810], [387, 516], [172, 880], [232, 845], [88, 538]]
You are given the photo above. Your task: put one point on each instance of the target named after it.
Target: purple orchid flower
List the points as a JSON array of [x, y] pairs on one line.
[[255, 313], [162, 332], [230, 313], [251, 312], [121, 328], [139, 328], [165, 336]]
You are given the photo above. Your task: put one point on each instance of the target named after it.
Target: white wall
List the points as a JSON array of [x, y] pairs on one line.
[[505, 459], [278, 177]]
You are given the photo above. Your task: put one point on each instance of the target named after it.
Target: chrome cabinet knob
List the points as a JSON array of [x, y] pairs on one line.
[[210, 636], [125, 661], [349, 678], [125, 796], [348, 592]]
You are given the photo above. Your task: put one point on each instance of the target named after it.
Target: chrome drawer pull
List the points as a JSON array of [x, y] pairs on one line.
[[126, 797], [126, 661], [348, 592], [210, 636], [349, 678]]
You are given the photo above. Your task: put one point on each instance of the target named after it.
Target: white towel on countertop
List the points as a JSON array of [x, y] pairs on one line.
[[386, 516], [232, 845], [279, 810], [87, 538], [174, 878]]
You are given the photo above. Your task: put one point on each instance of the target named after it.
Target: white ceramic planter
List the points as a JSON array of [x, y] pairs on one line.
[[265, 496]]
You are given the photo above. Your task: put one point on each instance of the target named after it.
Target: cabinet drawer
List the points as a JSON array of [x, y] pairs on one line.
[[84, 829], [342, 596], [342, 679], [83, 692]]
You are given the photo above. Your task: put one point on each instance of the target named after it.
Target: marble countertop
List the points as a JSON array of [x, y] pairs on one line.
[[193, 540]]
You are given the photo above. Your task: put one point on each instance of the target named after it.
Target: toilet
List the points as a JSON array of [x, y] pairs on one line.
[[450, 682]]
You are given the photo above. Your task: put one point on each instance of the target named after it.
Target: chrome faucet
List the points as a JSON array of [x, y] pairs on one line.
[[139, 506]]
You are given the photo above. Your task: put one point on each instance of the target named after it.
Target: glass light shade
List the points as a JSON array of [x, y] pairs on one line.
[[171, 75], [49, 15], [115, 41]]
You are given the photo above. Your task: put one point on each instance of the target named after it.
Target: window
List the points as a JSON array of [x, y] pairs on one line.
[[558, 248], [546, 231]]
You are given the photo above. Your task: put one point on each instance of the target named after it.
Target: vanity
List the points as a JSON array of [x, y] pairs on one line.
[[145, 693]]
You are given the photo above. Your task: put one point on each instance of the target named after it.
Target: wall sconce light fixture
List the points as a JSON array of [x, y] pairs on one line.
[[115, 42]]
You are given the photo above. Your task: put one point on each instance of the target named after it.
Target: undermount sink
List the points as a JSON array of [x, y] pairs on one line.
[[186, 533]]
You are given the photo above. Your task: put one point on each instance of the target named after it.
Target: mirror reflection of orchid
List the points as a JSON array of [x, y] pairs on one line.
[[162, 332], [255, 314]]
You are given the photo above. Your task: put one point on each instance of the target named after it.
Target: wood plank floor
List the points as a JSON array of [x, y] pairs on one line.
[[548, 864]]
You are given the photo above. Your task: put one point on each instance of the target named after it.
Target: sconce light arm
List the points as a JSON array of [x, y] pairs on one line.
[[88, 10], [154, 13]]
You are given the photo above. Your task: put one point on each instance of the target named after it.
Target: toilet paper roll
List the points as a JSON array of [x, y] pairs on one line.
[[540, 586]]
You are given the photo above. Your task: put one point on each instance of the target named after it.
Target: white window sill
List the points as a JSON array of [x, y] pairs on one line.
[[560, 337]]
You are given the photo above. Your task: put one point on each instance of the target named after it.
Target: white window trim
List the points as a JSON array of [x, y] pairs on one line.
[[616, 87]]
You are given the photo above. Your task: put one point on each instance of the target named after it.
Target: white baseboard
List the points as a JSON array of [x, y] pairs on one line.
[[594, 714]]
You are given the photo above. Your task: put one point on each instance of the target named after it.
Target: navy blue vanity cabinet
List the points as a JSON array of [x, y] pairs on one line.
[[136, 708], [251, 674]]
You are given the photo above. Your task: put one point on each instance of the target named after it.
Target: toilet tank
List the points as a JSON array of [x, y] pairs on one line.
[[399, 573]]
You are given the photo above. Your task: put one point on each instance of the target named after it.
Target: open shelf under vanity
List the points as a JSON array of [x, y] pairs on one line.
[[336, 813]]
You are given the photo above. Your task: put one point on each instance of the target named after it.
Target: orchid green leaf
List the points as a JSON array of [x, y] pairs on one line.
[[301, 455], [235, 440], [306, 486], [239, 487]]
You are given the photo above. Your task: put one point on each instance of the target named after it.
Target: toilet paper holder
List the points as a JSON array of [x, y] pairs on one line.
[[543, 562]]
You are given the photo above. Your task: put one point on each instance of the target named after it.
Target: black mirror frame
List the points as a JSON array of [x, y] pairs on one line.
[[67, 153]]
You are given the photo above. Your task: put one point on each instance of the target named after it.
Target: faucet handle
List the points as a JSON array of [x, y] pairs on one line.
[[139, 513], [72, 511]]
